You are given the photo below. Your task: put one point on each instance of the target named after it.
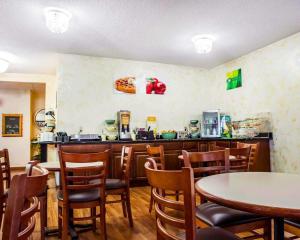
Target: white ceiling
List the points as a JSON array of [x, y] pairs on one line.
[[148, 30]]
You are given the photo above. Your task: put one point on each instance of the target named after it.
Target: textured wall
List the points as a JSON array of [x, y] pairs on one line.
[[86, 98], [16, 101], [271, 83]]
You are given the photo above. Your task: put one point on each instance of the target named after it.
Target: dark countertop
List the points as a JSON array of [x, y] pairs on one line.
[[263, 137]]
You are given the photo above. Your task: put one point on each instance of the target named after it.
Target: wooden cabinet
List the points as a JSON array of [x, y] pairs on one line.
[[172, 150]]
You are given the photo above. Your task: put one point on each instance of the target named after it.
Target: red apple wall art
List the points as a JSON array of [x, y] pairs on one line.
[[155, 86]]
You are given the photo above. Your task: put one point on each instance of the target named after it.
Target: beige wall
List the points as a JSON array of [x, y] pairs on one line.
[[85, 96], [271, 83], [49, 80], [37, 103], [16, 101], [50, 93]]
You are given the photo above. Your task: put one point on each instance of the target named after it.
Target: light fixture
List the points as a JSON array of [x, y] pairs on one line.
[[4, 64], [57, 19], [203, 43]]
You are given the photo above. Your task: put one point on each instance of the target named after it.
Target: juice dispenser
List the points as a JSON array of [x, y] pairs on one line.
[[211, 123], [124, 125]]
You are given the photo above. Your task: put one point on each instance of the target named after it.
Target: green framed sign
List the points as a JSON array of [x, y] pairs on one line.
[[234, 79]]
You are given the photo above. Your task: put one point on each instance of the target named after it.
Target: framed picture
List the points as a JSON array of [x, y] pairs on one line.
[[12, 125], [234, 79]]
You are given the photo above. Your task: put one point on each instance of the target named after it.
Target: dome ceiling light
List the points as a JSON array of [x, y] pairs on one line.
[[203, 43], [57, 19], [4, 64]]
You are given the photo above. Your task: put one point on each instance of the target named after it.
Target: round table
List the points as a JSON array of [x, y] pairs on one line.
[[264, 193], [180, 157]]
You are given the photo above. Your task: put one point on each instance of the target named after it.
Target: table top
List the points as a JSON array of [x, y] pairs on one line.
[[265, 193], [54, 166], [180, 157]]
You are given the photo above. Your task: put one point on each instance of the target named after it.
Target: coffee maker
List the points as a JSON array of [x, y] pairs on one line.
[[124, 125]]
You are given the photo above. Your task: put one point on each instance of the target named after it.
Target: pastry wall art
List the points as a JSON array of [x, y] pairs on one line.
[[155, 86], [125, 85]]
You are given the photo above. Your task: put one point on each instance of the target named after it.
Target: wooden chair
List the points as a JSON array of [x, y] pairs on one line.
[[211, 214], [206, 163], [19, 221], [5, 165], [4, 180], [178, 215], [157, 153], [254, 148], [3, 197], [239, 159], [292, 226], [42, 197], [121, 186], [82, 187]]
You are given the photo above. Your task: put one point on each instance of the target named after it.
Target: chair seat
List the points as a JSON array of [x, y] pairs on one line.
[[81, 196], [234, 158], [212, 233], [217, 215], [292, 222], [114, 184]]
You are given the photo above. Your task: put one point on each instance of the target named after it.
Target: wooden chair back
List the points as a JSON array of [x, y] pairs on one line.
[[253, 152], [82, 148], [2, 197], [5, 165], [126, 159], [206, 163], [239, 158], [158, 154], [19, 221], [162, 181], [91, 174]]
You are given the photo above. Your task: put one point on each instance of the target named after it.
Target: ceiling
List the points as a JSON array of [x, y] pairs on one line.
[[147, 30]]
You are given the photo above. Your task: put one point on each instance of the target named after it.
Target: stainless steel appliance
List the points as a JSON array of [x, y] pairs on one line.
[[211, 123], [124, 125]]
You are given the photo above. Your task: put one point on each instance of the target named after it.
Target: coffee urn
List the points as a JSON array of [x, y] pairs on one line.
[[124, 125]]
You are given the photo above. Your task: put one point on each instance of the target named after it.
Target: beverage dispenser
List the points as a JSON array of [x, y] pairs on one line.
[[124, 125]]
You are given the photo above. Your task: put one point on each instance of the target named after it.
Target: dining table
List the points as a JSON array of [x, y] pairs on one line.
[[265, 193]]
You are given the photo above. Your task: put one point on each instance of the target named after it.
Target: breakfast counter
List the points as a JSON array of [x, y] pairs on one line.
[[173, 149]]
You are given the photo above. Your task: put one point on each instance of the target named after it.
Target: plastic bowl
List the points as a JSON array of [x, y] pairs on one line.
[[168, 135], [109, 122]]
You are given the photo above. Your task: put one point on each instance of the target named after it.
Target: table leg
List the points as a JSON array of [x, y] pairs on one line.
[[44, 149], [278, 228]]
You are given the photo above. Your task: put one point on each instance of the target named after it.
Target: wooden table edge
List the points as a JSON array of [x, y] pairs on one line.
[[252, 208]]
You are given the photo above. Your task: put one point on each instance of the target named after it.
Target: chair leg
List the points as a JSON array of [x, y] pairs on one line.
[[128, 205], [93, 214], [65, 223], [59, 222], [159, 236], [103, 221], [177, 195], [268, 230], [123, 199], [43, 215], [151, 201]]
